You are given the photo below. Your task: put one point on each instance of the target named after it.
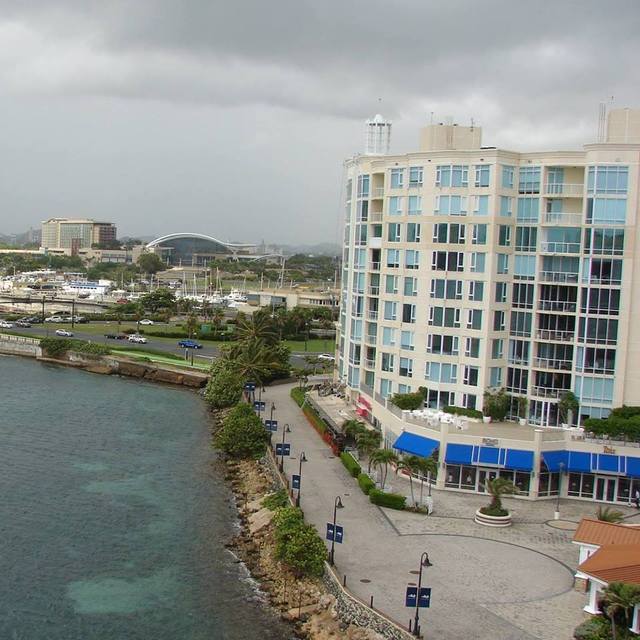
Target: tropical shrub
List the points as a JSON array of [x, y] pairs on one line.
[[298, 544], [366, 483], [54, 347], [298, 395], [496, 405], [276, 500], [389, 500], [463, 411], [224, 388], [497, 488], [408, 401], [242, 434], [351, 464]]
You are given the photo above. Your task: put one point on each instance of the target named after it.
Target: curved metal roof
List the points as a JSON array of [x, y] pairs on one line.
[[199, 236]]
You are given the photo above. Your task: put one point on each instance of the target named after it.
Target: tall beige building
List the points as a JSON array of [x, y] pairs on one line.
[[469, 268], [76, 233]]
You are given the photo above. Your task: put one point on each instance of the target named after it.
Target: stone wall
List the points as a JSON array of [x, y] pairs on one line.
[[20, 346]]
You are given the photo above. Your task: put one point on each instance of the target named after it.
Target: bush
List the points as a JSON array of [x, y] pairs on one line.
[[492, 511], [496, 405], [224, 388], [351, 464], [596, 628], [366, 483], [276, 500], [298, 395], [390, 500], [298, 544], [242, 434], [408, 401], [463, 411], [55, 347]]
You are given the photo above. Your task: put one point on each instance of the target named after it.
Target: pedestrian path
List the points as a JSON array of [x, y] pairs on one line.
[[486, 584]]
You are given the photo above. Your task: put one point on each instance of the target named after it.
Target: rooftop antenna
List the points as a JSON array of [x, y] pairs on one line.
[[431, 119], [472, 123], [602, 116]]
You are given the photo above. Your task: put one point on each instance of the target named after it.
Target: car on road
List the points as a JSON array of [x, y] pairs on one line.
[[189, 344], [23, 323], [53, 319], [116, 336], [146, 321], [6, 325], [63, 333], [327, 357], [137, 339]]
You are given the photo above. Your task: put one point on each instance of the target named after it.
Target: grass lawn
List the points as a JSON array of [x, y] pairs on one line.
[[163, 359], [315, 345]]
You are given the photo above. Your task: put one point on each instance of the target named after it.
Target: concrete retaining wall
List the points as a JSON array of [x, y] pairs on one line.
[[20, 346]]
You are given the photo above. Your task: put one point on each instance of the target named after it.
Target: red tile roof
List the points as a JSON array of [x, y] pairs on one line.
[[614, 563], [597, 532]]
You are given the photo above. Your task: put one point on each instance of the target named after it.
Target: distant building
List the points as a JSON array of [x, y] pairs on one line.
[[196, 249], [76, 233]]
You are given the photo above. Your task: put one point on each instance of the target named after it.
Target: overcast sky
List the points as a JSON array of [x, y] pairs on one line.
[[233, 118]]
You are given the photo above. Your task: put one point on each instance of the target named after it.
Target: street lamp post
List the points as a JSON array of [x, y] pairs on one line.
[[273, 408], [556, 515], [337, 504], [303, 458], [285, 430], [424, 562]]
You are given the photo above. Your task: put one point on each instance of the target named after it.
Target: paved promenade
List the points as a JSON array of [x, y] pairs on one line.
[[487, 584]]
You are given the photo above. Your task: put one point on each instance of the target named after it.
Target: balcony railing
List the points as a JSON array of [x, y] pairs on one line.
[[375, 266], [560, 247], [552, 363], [372, 315], [571, 219], [555, 335], [520, 361], [558, 276], [374, 290], [371, 339], [564, 189], [560, 306], [375, 216], [370, 364], [547, 392], [377, 192]]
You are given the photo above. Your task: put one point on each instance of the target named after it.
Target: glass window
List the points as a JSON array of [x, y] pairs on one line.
[[390, 310], [397, 178], [524, 267], [393, 258], [406, 367], [529, 181], [363, 186], [477, 262], [483, 175], [604, 241], [476, 290], [606, 210], [451, 205], [501, 292], [526, 238], [471, 375], [506, 206], [479, 235], [452, 176], [498, 321], [406, 340], [415, 205], [502, 263], [472, 347], [387, 362], [504, 235], [410, 286], [415, 176], [474, 319], [388, 336], [396, 205], [393, 229], [391, 284], [413, 232], [409, 313], [507, 176], [528, 210], [481, 207], [412, 259], [608, 179], [495, 376], [521, 324], [497, 348], [386, 387]]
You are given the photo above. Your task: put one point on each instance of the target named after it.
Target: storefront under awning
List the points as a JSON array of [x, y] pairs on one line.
[[466, 454], [416, 445]]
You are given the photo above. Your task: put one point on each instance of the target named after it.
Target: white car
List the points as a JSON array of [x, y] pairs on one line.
[[63, 333], [6, 325], [327, 356], [138, 339], [53, 319], [146, 321]]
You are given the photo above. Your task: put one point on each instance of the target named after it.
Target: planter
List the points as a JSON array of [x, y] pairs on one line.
[[486, 419], [493, 521], [522, 421], [564, 425]]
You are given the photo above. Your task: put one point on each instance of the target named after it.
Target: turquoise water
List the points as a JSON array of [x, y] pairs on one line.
[[114, 515]]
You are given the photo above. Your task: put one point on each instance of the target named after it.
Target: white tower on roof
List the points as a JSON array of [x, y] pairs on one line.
[[377, 136]]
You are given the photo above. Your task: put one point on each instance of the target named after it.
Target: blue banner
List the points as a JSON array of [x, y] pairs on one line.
[[329, 531], [411, 597], [271, 425], [259, 405], [424, 599], [295, 481], [339, 533], [249, 386], [286, 449]]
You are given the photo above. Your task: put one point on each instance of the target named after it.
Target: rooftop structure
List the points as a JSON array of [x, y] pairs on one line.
[[76, 233], [195, 249]]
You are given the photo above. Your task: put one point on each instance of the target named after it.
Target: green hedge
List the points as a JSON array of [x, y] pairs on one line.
[[366, 483], [408, 401], [390, 500], [351, 464], [463, 411], [298, 395], [312, 416], [58, 346]]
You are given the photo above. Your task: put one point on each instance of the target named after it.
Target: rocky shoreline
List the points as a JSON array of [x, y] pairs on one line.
[[303, 602]]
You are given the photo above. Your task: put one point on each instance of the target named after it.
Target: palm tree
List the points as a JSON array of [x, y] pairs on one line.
[[427, 467], [620, 597], [410, 465], [608, 514], [382, 458], [497, 488], [257, 327], [353, 429], [217, 316], [367, 442], [253, 360], [192, 324]]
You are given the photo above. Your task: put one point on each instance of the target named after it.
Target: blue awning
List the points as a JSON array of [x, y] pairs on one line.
[[553, 459], [633, 467], [488, 455], [607, 463], [415, 444], [459, 453], [579, 461], [519, 460]]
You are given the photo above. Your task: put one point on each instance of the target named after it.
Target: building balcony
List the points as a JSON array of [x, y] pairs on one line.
[[372, 315], [374, 290], [369, 364], [374, 266], [552, 363], [377, 192], [565, 219], [375, 216], [560, 247], [375, 242], [354, 361], [371, 340], [547, 392], [558, 276], [558, 306], [564, 189], [555, 335], [518, 361]]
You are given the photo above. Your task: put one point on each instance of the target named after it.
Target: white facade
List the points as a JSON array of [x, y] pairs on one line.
[[469, 267]]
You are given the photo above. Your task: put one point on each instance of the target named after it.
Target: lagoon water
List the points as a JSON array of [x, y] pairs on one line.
[[114, 514]]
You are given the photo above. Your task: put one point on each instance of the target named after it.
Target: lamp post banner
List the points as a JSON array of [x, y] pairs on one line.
[[295, 481], [259, 405], [410, 597], [424, 599]]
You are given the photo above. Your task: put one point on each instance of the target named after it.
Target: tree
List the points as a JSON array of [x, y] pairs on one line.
[[410, 465], [497, 488], [192, 324], [620, 597], [217, 316], [225, 386], [381, 459], [150, 263], [496, 405], [252, 360], [242, 434], [366, 443], [257, 327], [427, 467], [160, 299], [607, 514], [568, 406]]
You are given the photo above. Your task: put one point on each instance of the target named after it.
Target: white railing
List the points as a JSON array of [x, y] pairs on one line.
[[375, 266], [564, 189], [375, 216], [553, 334], [372, 315], [374, 290], [377, 192], [552, 363], [572, 219], [370, 364], [545, 392], [560, 247], [7, 337], [558, 276], [561, 306], [371, 340]]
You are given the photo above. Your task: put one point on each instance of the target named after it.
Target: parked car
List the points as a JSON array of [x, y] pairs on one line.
[[53, 319], [146, 321], [6, 325], [327, 356], [23, 323], [116, 336], [63, 333], [189, 344], [138, 339]]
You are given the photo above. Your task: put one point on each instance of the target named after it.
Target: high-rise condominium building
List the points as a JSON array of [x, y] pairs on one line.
[[74, 234], [469, 268]]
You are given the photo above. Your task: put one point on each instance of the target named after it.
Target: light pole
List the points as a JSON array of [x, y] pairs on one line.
[[285, 430], [424, 562], [337, 504], [303, 458], [273, 408], [556, 515]]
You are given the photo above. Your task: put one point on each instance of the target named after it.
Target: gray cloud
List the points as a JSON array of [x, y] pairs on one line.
[[263, 100]]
